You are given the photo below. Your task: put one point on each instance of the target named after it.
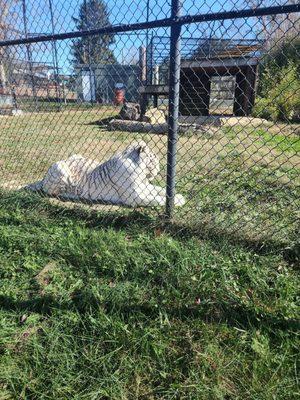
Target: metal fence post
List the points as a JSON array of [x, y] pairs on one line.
[[174, 81]]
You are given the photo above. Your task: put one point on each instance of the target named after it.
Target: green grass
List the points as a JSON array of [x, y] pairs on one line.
[[103, 306], [283, 142], [288, 141], [44, 105], [242, 180], [115, 305]]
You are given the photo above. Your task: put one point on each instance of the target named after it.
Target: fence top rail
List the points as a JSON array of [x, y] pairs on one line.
[[166, 22], [157, 39]]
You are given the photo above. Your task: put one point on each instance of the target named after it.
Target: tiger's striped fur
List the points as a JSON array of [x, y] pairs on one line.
[[123, 179]]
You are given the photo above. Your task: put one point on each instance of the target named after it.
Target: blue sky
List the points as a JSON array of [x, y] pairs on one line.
[[126, 11]]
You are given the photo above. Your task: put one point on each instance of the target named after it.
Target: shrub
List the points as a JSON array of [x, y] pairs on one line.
[[282, 55], [279, 83], [263, 108], [281, 95]]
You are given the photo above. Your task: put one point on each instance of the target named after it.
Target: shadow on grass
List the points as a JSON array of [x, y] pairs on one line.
[[141, 220], [232, 314], [103, 122]]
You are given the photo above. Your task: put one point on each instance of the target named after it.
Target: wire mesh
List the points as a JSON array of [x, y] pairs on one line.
[[87, 120]]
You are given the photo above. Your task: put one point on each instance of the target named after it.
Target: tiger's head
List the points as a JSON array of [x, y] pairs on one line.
[[143, 156]]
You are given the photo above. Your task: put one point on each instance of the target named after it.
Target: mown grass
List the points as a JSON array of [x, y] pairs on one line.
[[46, 105], [103, 306]]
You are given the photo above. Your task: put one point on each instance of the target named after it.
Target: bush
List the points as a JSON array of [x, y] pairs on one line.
[[282, 55], [279, 83], [263, 108], [287, 94], [281, 95]]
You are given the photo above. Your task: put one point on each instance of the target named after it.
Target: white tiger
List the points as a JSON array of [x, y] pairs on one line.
[[123, 179]]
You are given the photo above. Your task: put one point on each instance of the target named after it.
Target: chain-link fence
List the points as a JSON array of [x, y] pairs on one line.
[[125, 103]]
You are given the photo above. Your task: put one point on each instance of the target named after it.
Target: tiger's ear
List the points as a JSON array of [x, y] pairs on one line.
[[142, 145], [141, 148], [137, 154], [136, 150]]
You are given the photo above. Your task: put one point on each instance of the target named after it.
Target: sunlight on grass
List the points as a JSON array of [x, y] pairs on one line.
[[289, 143], [235, 178], [114, 305], [103, 306]]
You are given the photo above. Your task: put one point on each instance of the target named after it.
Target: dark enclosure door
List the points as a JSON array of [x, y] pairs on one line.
[[194, 92]]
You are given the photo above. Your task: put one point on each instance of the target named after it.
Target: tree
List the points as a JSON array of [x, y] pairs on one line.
[[5, 30], [8, 30], [273, 29], [279, 71], [93, 14]]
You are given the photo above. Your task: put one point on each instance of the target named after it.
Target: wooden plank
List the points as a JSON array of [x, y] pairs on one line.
[[154, 89], [142, 62], [245, 91], [215, 63]]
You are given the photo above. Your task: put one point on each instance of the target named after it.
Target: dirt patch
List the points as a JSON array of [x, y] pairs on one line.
[[43, 277]]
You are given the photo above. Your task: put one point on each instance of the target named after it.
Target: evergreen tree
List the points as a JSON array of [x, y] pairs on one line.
[[95, 49]]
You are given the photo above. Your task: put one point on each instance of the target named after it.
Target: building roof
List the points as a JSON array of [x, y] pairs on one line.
[[204, 48]]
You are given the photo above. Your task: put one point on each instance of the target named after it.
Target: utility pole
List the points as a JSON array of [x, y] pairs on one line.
[[29, 54], [55, 58]]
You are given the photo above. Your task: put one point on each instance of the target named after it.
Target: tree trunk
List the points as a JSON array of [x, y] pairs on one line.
[[2, 76]]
